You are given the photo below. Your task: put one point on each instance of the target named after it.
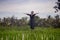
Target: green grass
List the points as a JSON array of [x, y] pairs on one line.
[[25, 33]]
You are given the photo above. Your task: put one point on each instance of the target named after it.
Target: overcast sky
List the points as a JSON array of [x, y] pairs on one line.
[[17, 8]]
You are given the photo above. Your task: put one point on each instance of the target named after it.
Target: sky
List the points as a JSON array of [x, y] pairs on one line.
[[17, 8]]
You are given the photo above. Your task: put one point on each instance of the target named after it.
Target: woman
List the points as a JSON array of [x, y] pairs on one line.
[[32, 15]]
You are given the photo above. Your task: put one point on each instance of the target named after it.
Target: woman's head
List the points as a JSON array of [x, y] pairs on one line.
[[32, 12]]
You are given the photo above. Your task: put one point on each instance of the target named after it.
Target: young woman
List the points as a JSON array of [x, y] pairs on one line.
[[32, 15]]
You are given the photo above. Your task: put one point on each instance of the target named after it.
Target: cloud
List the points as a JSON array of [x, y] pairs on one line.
[[12, 1], [24, 1], [40, 6]]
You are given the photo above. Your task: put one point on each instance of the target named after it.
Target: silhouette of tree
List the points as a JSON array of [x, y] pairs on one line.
[[57, 7]]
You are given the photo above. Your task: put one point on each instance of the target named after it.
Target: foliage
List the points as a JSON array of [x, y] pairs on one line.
[[25, 33], [42, 22]]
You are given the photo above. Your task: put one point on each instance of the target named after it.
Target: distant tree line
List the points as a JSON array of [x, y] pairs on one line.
[[48, 22], [12, 21], [39, 22]]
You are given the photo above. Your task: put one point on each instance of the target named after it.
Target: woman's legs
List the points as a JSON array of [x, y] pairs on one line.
[[32, 26]]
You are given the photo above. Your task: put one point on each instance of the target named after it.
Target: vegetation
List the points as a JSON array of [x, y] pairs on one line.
[[46, 22], [12, 28], [25, 33], [48, 28]]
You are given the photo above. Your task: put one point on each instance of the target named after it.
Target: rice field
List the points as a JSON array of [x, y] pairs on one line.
[[25, 33]]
